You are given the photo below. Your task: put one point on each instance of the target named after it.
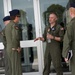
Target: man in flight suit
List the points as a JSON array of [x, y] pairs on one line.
[[69, 39], [53, 35], [12, 36], [6, 20]]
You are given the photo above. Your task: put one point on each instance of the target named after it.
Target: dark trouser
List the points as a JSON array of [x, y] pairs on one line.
[[72, 65], [56, 59]]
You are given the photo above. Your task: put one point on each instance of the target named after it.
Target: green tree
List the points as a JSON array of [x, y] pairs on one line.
[[54, 8]]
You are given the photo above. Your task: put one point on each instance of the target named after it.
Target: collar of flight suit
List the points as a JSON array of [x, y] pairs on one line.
[[13, 23], [54, 27], [73, 19], [49, 29]]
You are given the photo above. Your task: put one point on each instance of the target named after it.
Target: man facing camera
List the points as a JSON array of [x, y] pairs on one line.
[[53, 35]]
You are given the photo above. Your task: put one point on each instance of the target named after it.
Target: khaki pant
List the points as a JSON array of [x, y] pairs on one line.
[[55, 58], [14, 63]]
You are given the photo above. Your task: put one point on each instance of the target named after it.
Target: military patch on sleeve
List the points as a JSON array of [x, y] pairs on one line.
[[48, 30], [62, 28]]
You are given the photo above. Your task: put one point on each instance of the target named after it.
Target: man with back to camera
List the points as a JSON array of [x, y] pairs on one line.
[[13, 43], [6, 20], [53, 35]]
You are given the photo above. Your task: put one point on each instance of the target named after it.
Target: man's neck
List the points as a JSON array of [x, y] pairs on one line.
[[53, 24]]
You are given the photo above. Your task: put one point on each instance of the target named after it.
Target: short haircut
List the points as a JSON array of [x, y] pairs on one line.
[[55, 13]]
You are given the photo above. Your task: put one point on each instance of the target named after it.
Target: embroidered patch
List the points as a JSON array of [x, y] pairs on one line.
[[48, 29], [61, 28], [53, 28]]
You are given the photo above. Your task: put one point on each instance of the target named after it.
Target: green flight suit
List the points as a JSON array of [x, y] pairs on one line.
[[5, 53], [53, 52], [13, 41], [69, 43]]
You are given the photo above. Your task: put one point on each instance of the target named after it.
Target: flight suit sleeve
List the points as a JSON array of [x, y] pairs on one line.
[[67, 41], [44, 35], [8, 35], [4, 39], [61, 33]]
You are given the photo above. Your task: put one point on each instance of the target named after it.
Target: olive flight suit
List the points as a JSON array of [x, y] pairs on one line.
[[13, 41], [53, 52], [5, 53], [69, 43]]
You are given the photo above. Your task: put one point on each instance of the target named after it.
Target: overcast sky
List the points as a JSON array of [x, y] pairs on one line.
[[1, 14], [61, 2], [47, 3], [27, 5]]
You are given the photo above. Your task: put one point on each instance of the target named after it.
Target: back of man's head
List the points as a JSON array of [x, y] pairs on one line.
[[6, 18]]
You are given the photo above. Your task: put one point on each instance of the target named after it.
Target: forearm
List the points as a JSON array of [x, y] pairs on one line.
[[39, 38], [57, 38]]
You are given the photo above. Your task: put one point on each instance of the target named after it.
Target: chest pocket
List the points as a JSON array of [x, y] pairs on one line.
[[54, 31], [15, 33]]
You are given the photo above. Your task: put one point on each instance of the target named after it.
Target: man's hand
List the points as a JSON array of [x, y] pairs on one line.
[[19, 49], [49, 36], [39, 38], [36, 39], [66, 60]]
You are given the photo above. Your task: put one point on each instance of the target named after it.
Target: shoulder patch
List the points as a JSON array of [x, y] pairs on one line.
[[62, 28], [48, 29]]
